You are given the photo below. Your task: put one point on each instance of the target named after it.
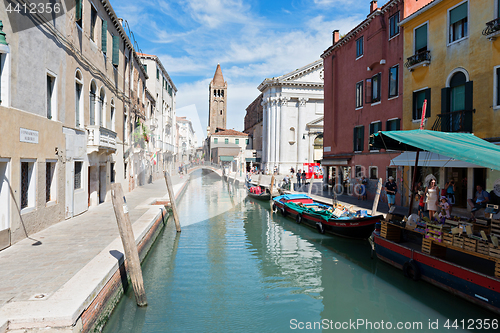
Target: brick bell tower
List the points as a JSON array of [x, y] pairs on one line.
[[217, 104]]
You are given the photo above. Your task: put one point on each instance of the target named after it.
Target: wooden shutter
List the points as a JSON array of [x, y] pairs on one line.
[[104, 36], [116, 51], [78, 9], [355, 139], [398, 124], [362, 138], [445, 100]]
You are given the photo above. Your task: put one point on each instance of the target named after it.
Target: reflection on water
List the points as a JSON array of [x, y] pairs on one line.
[[237, 268]]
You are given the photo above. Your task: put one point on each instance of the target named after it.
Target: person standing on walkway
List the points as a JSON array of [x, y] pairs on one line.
[[304, 177], [298, 178], [450, 193], [391, 189], [432, 192]]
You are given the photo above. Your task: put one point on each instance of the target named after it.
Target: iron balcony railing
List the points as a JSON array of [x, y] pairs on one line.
[[456, 121], [418, 58], [492, 27]]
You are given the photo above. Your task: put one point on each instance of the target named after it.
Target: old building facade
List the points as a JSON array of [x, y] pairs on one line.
[[291, 104], [217, 102]]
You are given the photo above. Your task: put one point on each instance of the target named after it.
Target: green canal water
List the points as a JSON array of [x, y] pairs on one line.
[[236, 268]]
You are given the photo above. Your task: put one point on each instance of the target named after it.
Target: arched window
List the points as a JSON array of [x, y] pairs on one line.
[[93, 97], [457, 92], [78, 99], [222, 93], [102, 107], [113, 115], [457, 103]]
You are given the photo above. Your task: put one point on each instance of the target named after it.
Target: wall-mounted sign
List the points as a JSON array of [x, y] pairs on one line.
[[327, 149], [26, 135]]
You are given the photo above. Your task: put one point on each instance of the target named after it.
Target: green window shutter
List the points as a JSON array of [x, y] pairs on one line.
[[78, 9], [145, 67], [498, 8], [388, 125], [398, 124], [104, 36], [116, 50], [458, 13], [355, 139], [362, 136], [421, 38]]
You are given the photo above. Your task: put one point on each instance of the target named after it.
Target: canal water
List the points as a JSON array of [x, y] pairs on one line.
[[237, 268]]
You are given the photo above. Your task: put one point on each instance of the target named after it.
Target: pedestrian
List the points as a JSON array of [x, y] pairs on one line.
[[421, 204], [298, 178], [445, 206], [304, 177], [391, 188], [432, 193], [450, 193]]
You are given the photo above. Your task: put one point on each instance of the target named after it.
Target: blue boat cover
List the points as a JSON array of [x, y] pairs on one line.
[[292, 197]]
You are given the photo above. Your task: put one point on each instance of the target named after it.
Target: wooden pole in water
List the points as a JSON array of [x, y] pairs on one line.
[[271, 190], [128, 241], [171, 196], [377, 196]]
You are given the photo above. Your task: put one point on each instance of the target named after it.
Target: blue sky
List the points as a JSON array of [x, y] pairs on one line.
[[252, 40]]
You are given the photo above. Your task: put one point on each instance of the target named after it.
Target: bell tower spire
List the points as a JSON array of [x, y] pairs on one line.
[[217, 103]]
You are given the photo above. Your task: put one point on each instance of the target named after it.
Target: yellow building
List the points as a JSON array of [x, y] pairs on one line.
[[453, 62]]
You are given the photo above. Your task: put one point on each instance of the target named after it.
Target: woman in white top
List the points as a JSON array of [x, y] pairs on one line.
[[432, 198]]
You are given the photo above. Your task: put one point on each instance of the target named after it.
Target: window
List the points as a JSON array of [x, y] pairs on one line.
[[393, 125], [457, 101], [359, 94], [237, 141], [496, 84], [157, 74], [216, 140], [359, 133], [457, 92], [93, 98], [51, 97], [359, 47], [226, 141], [78, 12], [393, 81], [247, 141], [418, 102], [358, 171], [393, 25], [392, 172], [104, 36], [376, 88], [116, 51], [374, 128], [458, 22], [112, 172], [93, 20], [28, 181], [420, 39], [78, 99], [50, 181], [373, 172], [112, 115], [78, 174]]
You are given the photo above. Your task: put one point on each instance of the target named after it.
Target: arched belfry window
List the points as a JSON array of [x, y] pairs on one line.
[[222, 93], [93, 97]]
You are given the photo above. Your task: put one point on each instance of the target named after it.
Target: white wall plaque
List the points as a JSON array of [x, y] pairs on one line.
[[327, 149], [26, 135]]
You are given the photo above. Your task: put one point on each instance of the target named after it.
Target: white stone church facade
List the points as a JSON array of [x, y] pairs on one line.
[[292, 118]]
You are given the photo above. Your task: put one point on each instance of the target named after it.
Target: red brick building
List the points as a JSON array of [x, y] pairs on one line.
[[363, 94]]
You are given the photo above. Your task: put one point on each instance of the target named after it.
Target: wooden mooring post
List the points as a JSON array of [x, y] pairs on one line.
[[271, 192], [128, 241], [377, 197], [171, 197]]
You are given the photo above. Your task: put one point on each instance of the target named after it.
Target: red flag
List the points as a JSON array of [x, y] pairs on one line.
[[423, 114]]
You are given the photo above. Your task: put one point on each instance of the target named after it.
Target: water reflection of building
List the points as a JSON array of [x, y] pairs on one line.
[[284, 254]]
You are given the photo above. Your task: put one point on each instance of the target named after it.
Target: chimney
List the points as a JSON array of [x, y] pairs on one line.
[[336, 36], [373, 6]]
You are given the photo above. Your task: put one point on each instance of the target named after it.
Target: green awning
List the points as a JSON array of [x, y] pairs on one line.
[[251, 159], [226, 158], [459, 146]]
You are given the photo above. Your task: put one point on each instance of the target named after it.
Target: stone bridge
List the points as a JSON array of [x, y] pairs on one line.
[[206, 166]]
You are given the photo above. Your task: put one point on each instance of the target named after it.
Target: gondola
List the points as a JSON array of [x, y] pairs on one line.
[[339, 221], [263, 195]]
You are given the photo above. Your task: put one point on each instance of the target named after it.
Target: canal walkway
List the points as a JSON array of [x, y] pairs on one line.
[[50, 278]]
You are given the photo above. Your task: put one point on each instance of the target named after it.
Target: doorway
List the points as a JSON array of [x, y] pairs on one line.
[[4, 204], [102, 183]]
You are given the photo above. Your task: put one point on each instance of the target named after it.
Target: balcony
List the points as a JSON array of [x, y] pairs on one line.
[[169, 148], [492, 29], [456, 121], [100, 139], [417, 60]]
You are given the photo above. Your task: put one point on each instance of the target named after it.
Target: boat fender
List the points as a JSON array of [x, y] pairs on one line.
[[319, 226], [283, 212], [275, 208], [411, 270], [298, 219]]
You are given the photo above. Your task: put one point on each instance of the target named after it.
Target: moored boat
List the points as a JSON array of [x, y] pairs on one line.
[[258, 192], [470, 275], [325, 218]]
